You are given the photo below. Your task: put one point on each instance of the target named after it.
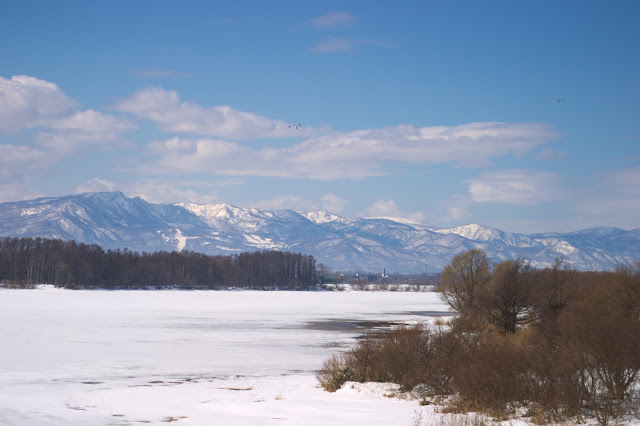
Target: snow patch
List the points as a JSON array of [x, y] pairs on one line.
[[260, 242], [565, 248], [31, 211], [319, 217], [471, 232], [182, 240], [400, 220]]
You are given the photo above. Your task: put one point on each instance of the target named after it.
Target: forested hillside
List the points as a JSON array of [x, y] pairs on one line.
[[28, 261]]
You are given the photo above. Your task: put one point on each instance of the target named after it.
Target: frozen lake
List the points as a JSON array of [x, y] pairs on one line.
[[191, 357]]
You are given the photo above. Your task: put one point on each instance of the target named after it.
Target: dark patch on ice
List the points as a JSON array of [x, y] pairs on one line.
[[295, 372], [333, 345], [91, 383], [426, 313], [349, 325], [173, 419], [72, 407], [238, 389]]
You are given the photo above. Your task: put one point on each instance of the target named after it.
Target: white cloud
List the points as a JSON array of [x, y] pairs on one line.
[[346, 45], [83, 129], [334, 45], [456, 209], [354, 155], [92, 121], [282, 202], [389, 209], [382, 208], [551, 154], [17, 165], [625, 181], [20, 160], [16, 191], [613, 194], [333, 21], [52, 129], [65, 143], [176, 191], [516, 186], [96, 185], [165, 108], [332, 203], [457, 214], [27, 102]]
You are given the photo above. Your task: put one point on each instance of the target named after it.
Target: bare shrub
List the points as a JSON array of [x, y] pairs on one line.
[[404, 356], [18, 285], [358, 286], [334, 373], [496, 377], [563, 345]]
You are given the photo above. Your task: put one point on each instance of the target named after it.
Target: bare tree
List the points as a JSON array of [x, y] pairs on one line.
[[508, 299], [557, 288], [463, 279], [625, 291]]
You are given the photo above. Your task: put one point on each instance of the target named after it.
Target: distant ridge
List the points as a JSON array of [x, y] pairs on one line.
[[114, 220]]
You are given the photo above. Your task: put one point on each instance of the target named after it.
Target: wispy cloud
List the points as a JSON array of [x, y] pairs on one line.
[[611, 194], [162, 190], [332, 203], [96, 185], [335, 45], [83, 129], [345, 45], [17, 165], [551, 154], [338, 20], [18, 159], [625, 181], [516, 186], [329, 202], [456, 209], [31, 103], [51, 128], [282, 202], [389, 209], [165, 108], [354, 155]]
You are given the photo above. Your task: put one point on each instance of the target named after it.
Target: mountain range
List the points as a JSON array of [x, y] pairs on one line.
[[112, 220]]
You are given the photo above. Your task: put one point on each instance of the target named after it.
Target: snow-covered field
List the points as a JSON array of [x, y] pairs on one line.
[[193, 357]]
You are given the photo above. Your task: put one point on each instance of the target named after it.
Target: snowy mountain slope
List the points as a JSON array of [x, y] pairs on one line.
[[113, 220], [106, 218]]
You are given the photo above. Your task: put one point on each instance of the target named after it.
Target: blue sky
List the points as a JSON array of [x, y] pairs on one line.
[[519, 115]]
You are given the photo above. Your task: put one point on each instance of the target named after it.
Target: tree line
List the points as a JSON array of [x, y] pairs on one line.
[[28, 261], [556, 343]]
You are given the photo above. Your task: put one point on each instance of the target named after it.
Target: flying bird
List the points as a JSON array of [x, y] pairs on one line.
[[560, 100]]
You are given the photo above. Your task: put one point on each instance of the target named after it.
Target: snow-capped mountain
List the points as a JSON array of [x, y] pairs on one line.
[[112, 220]]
